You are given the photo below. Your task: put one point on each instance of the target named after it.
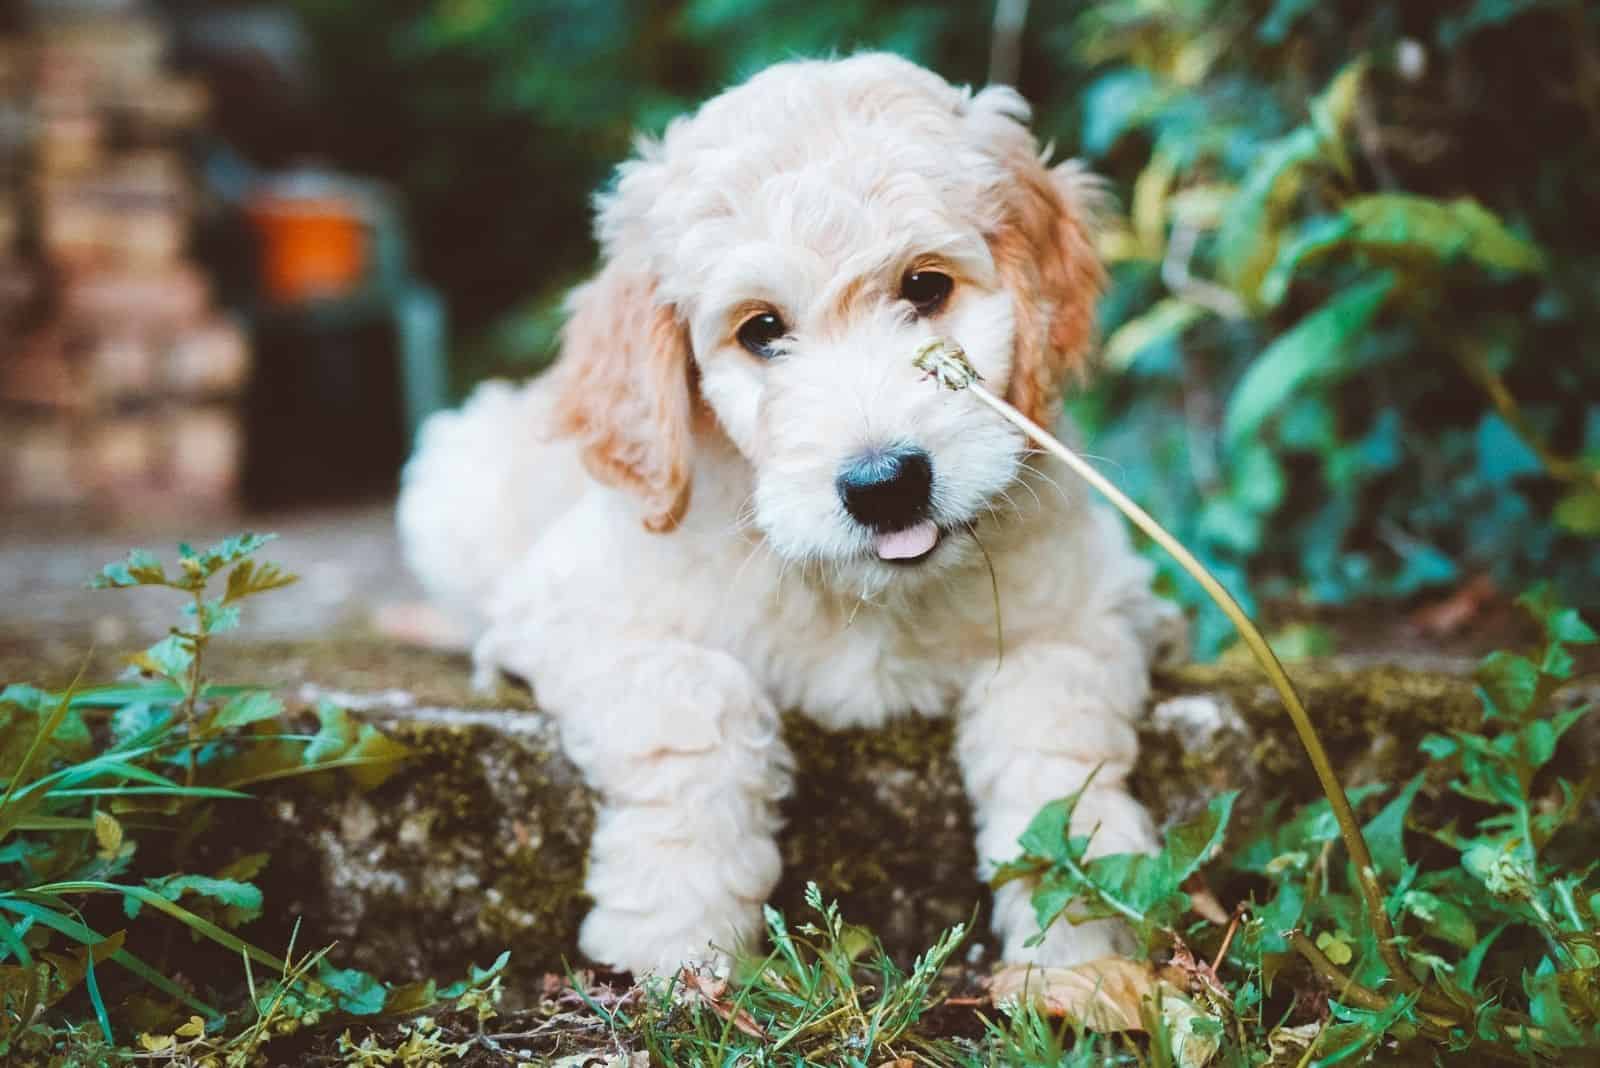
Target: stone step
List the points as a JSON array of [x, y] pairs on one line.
[[477, 843]]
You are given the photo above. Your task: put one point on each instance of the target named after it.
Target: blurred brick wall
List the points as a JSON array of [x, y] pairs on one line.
[[119, 378]]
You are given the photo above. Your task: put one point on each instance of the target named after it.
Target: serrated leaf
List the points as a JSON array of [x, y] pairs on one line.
[[250, 578], [170, 658], [248, 708], [140, 568], [1318, 348], [370, 755], [231, 550], [1509, 682], [241, 901], [1560, 623]]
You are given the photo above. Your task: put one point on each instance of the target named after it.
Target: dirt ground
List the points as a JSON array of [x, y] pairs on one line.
[[348, 561]]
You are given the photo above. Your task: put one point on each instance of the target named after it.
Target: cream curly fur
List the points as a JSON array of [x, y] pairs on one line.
[[703, 575]]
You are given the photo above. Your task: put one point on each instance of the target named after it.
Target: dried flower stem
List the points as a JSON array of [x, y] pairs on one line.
[[944, 361]]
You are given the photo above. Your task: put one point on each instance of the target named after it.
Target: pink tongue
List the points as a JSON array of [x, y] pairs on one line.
[[909, 543]]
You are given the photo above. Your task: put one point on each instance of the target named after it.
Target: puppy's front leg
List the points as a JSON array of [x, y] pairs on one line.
[[1031, 733], [687, 756]]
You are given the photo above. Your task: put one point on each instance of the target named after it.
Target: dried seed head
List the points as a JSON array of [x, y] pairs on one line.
[[945, 361]]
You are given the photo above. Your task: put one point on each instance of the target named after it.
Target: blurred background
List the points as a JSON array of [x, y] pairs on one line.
[[1351, 348]]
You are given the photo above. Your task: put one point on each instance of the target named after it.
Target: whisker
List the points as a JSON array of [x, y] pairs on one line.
[[994, 588]]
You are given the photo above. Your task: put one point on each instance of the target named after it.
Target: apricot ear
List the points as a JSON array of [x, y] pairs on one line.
[[625, 391], [1045, 255]]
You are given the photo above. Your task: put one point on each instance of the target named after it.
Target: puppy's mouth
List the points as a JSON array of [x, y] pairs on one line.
[[910, 545]]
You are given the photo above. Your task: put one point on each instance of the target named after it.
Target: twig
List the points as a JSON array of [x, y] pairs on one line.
[[945, 361], [1005, 45]]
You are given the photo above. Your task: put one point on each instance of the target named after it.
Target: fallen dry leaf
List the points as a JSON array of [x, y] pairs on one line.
[[1109, 995]]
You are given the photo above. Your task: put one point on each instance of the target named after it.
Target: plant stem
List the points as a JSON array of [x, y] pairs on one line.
[[938, 360], [191, 699]]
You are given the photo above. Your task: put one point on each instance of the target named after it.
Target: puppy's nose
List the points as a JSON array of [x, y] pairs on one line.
[[887, 489]]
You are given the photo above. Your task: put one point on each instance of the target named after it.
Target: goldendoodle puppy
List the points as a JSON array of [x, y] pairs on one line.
[[734, 496]]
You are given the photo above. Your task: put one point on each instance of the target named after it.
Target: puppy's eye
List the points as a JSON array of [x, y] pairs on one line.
[[926, 290], [759, 332]]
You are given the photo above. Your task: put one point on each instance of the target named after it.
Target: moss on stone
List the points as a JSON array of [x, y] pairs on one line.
[[478, 843]]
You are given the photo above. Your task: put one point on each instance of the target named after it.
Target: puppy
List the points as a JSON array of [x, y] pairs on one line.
[[733, 495]]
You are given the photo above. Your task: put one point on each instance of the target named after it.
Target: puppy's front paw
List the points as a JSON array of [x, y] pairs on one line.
[[636, 942]]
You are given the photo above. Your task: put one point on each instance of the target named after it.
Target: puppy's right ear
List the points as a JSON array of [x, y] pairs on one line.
[[626, 392]]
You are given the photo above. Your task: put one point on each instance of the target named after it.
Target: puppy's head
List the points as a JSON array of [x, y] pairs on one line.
[[777, 258]]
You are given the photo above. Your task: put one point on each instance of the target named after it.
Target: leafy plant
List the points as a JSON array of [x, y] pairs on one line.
[[91, 772], [1494, 904], [1346, 303]]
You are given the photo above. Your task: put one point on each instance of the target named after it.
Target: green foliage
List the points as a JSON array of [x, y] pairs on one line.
[[1145, 891], [91, 773], [1491, 888], [1369, 284]]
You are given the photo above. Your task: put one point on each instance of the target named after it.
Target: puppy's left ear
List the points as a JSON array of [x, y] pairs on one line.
[[1043, 248], [626, 391]]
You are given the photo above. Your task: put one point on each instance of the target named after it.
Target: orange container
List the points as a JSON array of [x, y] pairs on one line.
[[314, 243]]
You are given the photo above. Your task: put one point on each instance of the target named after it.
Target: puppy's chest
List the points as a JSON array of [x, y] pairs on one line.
[[861, 670]]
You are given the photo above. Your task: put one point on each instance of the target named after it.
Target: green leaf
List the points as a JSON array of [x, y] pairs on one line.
[[359, 993], [1166, 321], [1385, 832], [1281, 19], [1561, 624], [169, 658], [1333, 109], [241, 901], [140, 568], [1191, 844], [1443, 918], [1247, 240], [1317, 348], [249, 708], [231, 550], [1400, 229], [1579, 511], [1509, 682], [1049, 833], [341, 741]]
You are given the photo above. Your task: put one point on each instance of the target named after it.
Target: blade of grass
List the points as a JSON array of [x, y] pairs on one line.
[[147, 791], [48, 917], [93, 986], [46, 731], [156, 901]]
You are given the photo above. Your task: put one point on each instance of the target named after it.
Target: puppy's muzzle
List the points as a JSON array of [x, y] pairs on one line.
[[890, 492]]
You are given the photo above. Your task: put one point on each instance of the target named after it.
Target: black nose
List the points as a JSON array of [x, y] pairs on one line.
[[887, 489]]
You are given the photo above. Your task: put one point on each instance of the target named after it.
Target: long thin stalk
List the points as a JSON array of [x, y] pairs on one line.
[[944, 360]]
